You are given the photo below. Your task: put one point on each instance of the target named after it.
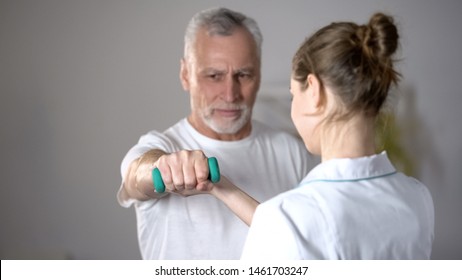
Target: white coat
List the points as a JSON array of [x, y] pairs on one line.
[[346, 209]]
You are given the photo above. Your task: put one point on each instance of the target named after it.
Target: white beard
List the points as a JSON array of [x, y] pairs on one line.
[[222, 126]]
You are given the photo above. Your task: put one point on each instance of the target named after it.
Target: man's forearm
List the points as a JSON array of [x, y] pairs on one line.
[[138, 182]]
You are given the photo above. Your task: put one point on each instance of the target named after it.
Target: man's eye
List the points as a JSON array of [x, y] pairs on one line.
[[214, 76], [245, 76]]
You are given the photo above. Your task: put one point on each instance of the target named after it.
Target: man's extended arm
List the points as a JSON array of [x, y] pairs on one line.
[[138, 180]]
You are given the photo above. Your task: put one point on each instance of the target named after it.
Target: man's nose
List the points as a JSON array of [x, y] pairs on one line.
[[232, 89]]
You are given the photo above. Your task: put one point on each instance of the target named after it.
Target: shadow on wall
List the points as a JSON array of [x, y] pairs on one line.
[[414, 138], [390, 132]]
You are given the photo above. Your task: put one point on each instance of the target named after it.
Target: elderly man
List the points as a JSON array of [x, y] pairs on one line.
[[221, 72]]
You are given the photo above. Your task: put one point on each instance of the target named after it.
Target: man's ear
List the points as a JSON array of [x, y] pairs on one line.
[[184, 74], [315, 91]]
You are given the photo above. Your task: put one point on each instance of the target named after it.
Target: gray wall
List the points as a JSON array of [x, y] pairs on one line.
[[80, 81]]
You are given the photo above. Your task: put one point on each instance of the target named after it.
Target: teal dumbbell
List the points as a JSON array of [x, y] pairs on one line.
[[214, 175]]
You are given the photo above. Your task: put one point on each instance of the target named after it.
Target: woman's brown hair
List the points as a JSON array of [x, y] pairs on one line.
[[355, 61]]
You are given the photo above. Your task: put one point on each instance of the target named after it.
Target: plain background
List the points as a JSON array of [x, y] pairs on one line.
[[80, 81]]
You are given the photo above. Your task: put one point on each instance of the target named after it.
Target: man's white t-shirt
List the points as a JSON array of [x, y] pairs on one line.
[[346, 209], [263, 164]]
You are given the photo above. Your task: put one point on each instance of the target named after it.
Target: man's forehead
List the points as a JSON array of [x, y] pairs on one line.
[[225, 69]]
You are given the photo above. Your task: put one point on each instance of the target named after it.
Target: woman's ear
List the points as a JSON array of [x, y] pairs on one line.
[[314, 90], [184, 74]]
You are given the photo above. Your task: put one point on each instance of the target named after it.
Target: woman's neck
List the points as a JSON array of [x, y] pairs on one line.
[[351, 139]]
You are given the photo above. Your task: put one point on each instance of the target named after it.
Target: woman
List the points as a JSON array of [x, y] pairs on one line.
[[354, 204]]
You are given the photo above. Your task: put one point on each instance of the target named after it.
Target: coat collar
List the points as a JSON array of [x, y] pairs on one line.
[[351, 169]]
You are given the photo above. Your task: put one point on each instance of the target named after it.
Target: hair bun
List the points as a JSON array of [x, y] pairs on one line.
[[380, 36]]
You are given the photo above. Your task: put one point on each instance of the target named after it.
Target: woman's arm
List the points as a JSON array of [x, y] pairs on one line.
[[239, 202]]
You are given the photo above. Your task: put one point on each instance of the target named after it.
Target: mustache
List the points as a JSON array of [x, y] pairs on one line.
[[228, 106]]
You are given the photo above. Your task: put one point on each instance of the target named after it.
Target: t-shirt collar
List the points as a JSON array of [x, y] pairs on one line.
[[213, 142]]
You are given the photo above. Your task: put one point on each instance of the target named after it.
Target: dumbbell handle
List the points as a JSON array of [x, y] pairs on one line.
[[214, 175]]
